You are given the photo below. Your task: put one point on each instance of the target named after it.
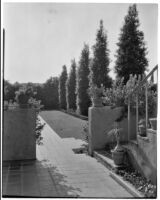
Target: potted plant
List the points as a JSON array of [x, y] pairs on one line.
[[96, 95], [118, 152], [142, 127]]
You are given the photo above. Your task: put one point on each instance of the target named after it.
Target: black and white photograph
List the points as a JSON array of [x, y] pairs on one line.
[[79, 93]]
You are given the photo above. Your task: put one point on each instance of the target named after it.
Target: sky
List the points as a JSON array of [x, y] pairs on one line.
[[41, 37]]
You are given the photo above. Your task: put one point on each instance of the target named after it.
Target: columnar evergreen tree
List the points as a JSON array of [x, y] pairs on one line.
[[99, 67], [71, 87], [62, 88], [83, 99], [131, 53]]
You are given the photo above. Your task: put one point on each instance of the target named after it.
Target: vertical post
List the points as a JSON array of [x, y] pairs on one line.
[[146, 96], [136, 114], [129, 107]]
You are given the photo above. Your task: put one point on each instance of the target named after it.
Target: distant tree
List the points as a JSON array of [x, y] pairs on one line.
[[50, 93], [99, 67], [62, 88], [131, 53], [40, 93], [71, 87], [8, 91], [83, 99], [17, 85]]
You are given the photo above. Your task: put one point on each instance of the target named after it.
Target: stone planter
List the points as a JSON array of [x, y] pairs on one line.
[[19, 139], [97, 102]]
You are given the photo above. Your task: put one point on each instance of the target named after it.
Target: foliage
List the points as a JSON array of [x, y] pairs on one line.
[[83, 99], [9, 90], [96, 92], [116, 131], [118, 95], [39, 128], [71, 87], [39, 88], [23, 95], [39, 125], [131, 53], [62, 88], [85, 132], [50, 93], [140, 183], [99, 66]]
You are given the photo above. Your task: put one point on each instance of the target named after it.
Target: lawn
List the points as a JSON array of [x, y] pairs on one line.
[[64, 125]]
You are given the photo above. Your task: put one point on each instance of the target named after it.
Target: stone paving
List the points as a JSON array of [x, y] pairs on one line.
[[59, 172]]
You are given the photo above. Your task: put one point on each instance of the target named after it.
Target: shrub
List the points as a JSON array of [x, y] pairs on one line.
[[23, 95], [85, 133], [39, 128], [39, 125], [118, 95]]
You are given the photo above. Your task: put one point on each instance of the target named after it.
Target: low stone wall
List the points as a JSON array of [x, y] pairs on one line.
[[101, 121], [19, 141], [143, 155]]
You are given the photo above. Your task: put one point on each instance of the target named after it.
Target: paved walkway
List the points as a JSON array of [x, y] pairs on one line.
[[59, 172]]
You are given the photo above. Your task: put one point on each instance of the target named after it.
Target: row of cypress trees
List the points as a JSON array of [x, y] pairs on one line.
[[130, 59]]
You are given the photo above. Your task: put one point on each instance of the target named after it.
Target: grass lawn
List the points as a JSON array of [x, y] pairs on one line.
[[64, 125]]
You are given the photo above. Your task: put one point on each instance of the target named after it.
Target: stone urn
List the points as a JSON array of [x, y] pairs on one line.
[[97, 102]]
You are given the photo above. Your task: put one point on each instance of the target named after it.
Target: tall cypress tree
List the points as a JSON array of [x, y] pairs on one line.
[[131, 53], [62, 88], [71, 87], [83, 100], [99, 67]]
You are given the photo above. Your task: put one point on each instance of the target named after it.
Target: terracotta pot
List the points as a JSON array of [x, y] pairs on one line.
[[118, 157], [97, 102]]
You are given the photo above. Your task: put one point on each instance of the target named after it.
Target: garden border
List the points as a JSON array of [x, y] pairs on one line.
[[107, 162]]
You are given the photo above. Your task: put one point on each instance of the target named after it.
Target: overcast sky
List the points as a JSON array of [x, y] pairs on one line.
[[42, 37]]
